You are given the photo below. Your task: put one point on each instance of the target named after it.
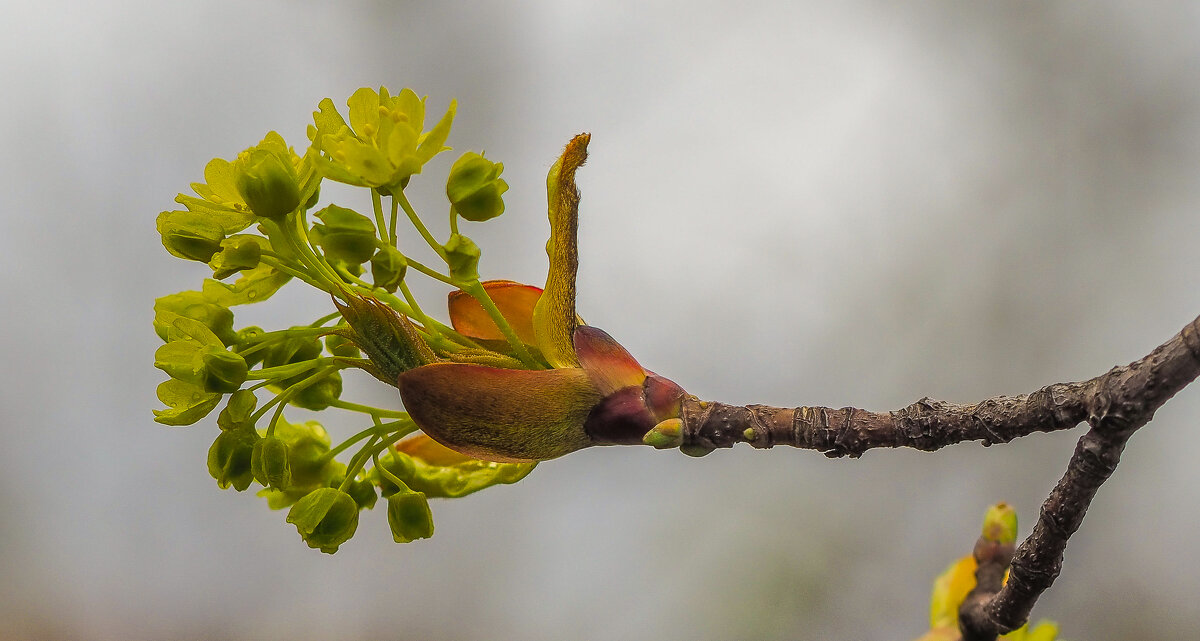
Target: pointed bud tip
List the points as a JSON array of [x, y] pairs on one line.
[[665, 435], [1000, 524]]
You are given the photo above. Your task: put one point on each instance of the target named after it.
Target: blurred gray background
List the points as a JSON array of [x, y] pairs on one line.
[[854, 203]]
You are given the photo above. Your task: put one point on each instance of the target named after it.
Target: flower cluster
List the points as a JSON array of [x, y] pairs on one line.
[[514, 378]]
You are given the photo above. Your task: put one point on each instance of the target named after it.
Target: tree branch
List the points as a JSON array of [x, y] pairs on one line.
[[1114, 404], [1124, 400], [1118, 397]]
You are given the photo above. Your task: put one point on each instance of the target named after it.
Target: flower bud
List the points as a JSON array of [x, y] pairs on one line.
[[475, 188], [269, 463], [238, 410], [409, 517], [209, 367], [1000, 524], [339, 345], [246, 338], [462, 256], [308, 444], [347, 237], [388, 266], [268, 183], [665, 435], [229, 458], [194, 305], [320, 394], [190, 235], [363, 493], [326, 518], [224, 371], [237, 253], [296, 349], [389, 339]]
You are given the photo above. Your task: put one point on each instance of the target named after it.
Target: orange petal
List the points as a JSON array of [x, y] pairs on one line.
[[501, 415], [515, 302], [420, 446], [609, 366]]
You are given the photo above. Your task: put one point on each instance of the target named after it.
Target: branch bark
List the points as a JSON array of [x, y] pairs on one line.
[[1117, 396], [1114, 404]]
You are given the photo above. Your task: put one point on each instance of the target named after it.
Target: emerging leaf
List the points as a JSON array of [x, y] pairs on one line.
[[554, 317]]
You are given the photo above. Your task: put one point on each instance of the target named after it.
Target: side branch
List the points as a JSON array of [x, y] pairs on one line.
[[1125, 400], [1118, 397]]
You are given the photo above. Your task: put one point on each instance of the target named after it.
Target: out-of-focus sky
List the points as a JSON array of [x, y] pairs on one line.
[[853, 203]]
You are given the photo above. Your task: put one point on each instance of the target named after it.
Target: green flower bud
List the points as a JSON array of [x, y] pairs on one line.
[[409, 517], [475, 187], [1000, 524], [363, 493], [296, 349], [269, 463], [462, 256], [229, 458], [665, 435], [325, 518], [307, 445], [339, 345], [237, 253], [238, 410], [388, 266], [268, 183], [224, 371], [347, 237], [210, 367], [190, 235], [320, 394], [246, 338], [194, 305]]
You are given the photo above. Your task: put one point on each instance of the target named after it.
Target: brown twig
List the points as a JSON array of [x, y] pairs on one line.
[[1114, 404], [928, 424]]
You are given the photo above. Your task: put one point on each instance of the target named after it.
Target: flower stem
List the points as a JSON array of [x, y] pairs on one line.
[[357, 462], [429, 271], [285, 371], [377, 205], [426, 321], [375, 412], [398, 194], [282, 398], [325, 319], [387, 474], [378, 428], [475, 290], [392, 229], [370, 450]]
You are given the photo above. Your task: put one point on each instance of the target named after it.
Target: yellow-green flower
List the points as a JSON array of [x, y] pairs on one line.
[[219, 193], [384, 143]]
